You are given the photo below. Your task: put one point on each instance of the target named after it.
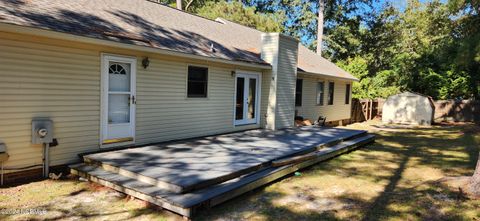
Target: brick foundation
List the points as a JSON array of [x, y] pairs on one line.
[[29, 175], [337, 123]]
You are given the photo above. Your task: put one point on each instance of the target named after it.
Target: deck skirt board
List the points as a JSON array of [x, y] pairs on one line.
[[194, 164], [129, 186], [244, 172]]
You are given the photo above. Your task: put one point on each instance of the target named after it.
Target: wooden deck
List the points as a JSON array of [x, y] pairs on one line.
[[182, 176]]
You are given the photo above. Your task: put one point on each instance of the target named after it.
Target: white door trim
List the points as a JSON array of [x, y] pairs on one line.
[[105, 59], [245, 121]]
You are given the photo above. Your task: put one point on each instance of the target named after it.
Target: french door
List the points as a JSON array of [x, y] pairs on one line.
[[118, 99], [247, 98]]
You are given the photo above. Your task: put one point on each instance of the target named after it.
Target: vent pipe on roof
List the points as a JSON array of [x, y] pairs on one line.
[[321, 8], [179, 4]]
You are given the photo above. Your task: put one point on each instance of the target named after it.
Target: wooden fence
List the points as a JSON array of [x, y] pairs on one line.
[[366, 109], [457, 110]]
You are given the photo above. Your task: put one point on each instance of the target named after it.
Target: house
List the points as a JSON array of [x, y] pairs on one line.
[[408, 108], [112, 73]]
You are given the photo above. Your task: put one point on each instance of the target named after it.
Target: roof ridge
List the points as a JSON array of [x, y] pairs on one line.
[[158, 2], [236, 23]]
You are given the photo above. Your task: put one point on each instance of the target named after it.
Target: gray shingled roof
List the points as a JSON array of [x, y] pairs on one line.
[[146, 23], [308, 61]]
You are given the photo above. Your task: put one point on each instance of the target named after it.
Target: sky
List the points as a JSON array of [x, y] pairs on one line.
[[400, 4]]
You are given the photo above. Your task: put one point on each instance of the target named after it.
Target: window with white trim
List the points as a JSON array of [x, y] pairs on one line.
[[320, 92], [331, 91], [298, 92], [347, 94]]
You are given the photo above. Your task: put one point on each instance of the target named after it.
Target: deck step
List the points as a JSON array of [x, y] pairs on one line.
[[127, 185], [186, 203], [344, 146], [170, 187], [184, 187]]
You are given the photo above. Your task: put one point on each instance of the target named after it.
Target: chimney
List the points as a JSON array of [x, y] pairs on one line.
[[179, 4], [281, 52], [321, 8]]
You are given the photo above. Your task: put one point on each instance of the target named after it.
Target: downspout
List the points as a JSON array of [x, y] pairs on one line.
[[179, 4]]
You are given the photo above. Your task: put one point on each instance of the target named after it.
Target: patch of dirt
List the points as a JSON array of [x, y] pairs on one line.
[[309, 202], [396, 127], [473, 129], [451, 123], [434, 213], [442, 197], [461, 185], [73, 200]]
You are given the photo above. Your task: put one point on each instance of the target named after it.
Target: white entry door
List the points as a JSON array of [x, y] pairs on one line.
[[118, 99], [247, 98]]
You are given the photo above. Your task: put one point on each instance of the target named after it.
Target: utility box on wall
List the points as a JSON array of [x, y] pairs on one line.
[[3, 152], [42, 131], [3, 148]]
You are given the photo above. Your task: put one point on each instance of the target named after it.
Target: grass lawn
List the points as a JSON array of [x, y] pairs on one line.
[[408, 174]]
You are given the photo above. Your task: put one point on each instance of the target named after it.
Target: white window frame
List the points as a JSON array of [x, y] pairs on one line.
[[333, 94], [349, 94], [301, 93], [323, 94]]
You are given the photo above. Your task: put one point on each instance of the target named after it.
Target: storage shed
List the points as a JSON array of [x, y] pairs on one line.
[[408, 108]]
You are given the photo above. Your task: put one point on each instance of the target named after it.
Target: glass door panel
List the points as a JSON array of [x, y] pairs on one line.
[[118, 93], [239, 103], [118, 108], [252, 97], [119, 77], [246, 99]]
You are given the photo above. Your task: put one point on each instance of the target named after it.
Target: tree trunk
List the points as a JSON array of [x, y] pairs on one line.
[[474, 183], [321, 8]]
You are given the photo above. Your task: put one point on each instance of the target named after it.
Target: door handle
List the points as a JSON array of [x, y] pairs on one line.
[[134, 101]]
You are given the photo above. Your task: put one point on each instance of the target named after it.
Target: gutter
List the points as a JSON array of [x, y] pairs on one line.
[[327, 76], [88, 40]]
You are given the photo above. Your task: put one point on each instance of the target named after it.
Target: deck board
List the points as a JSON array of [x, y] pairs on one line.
[[196, 163]]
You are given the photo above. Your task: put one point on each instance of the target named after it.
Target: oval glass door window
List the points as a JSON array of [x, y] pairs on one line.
[[119, 77]]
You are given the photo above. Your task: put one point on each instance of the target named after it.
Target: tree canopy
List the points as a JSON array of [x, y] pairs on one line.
[[430, 47], [248, 16]]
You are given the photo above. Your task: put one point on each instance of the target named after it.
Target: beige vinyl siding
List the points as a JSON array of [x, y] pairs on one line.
[[287, 76], [47, 81], [165, 113], [310, 110], [265, 99], [43, 77], [270, 54], [282, 52]]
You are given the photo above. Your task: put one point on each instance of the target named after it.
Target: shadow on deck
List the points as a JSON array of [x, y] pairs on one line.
[[186, 175]]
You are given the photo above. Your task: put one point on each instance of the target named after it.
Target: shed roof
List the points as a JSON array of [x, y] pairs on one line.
[[145, 23]]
